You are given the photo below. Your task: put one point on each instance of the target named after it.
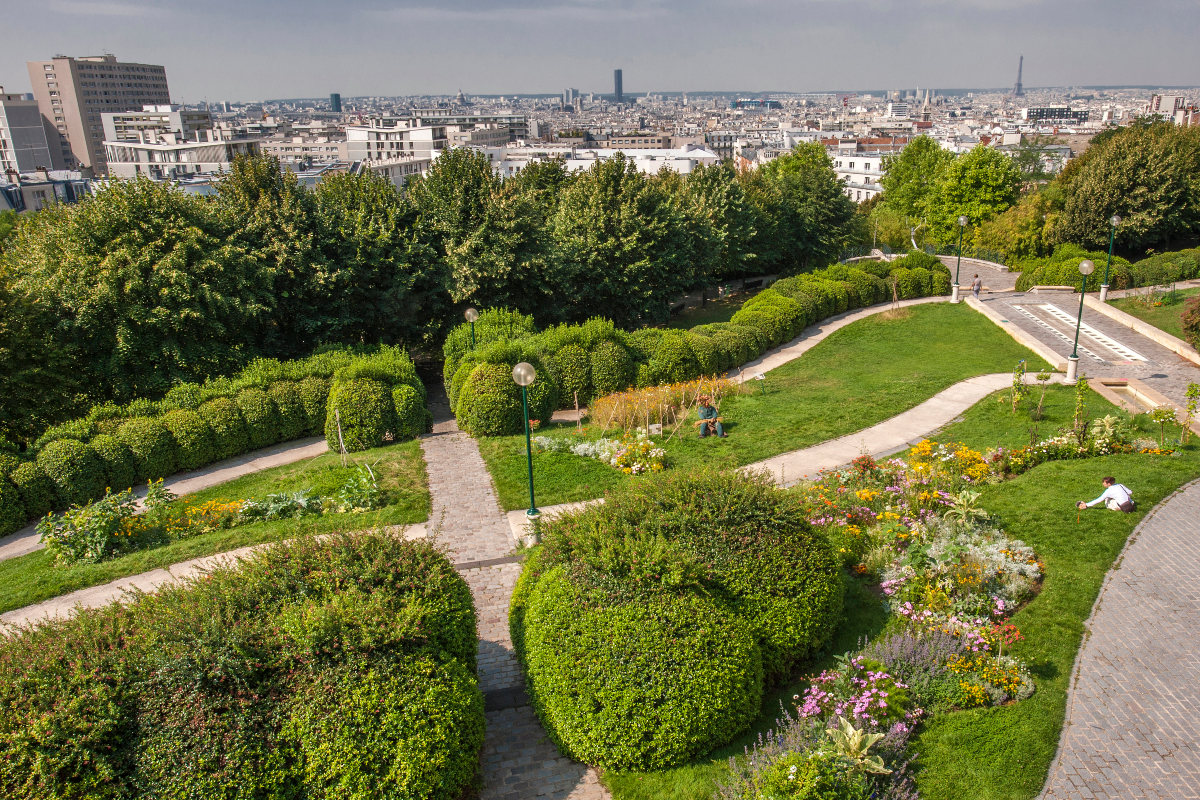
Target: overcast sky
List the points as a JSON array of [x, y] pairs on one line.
[[259, 49]]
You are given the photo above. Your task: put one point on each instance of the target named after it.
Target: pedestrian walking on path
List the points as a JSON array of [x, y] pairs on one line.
[[976, 286], [1116, 497]]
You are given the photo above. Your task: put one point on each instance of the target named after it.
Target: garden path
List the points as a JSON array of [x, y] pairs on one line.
[[1133, 716], [26, 540]]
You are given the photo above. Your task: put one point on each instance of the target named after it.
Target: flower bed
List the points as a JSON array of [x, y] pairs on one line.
[[634, 453]]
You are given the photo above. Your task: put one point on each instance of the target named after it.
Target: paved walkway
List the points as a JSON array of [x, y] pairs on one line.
[[26, 540], [1133, 718]]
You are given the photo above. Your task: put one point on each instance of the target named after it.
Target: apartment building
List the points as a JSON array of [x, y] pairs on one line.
[[640, 141], [41, 188], [169, 157], [480, 135], [517, 124], [154, 120], [24, 140], [861, 172], [309, 150], [73, 93], [382, 138]]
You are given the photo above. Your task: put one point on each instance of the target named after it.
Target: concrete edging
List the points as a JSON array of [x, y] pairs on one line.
[[1055, 361], [1172, 343]]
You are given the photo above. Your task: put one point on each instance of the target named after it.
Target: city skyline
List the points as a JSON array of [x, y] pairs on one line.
[[269, 49]]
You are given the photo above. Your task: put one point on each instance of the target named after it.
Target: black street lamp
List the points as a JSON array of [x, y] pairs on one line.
[[471, 315], [962, 226], [524, 375], [1112, 235], [1086, 268]]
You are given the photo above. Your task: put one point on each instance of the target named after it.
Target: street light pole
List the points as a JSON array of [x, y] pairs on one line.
[[524, 374], [471, 315], [962, 225], [1112, 235], [1086, 268]]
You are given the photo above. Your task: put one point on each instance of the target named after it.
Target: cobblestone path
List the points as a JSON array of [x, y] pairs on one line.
[[518, 760], [1133, 717]]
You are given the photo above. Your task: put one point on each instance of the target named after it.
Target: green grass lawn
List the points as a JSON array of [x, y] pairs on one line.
[[1165, 317], [401, 474], [862, 374], [991, 422]]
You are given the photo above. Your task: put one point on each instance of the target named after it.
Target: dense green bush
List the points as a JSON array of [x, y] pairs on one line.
[[261, 415], [154, 449], [410, 412], [777, 315], [1062, 269], [708, 353], [611, 368], [13, 512], [229, 427], [36, 489], [196, 440], [80, 429], [334, 668], [293, 418], [649, 626], [673, 360], [363, 409], [314, 393], [490, 402], [574, 374], [120, 466], [1191, 322], [493, 325], [1181, 265], [77, 475]]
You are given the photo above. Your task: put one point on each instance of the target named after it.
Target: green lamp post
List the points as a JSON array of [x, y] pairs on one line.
[[471, 315], [524, 375], [1112, 236], [1086, 268], [962, 226]]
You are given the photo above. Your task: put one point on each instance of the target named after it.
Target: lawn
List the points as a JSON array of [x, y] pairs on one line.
[[991, 422], [1165, 317], [401, 474], [862, 374], [998, 753]]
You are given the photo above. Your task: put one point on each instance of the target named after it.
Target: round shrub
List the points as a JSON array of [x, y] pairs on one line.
[[410, 412], [225, 419], [293, 419], [708, 354], [195, 439], [673, 360], [777, 316], [490, 402], [460, 377], [12, 511], [408, 729], [77, 475], [644, 684], [154, 449], [261, 415], [364, 409], [314, 394], [35, 488], [120, 467], [574, 374], [80, 429], [8, 464], [611, 368], [908, 285], [942, 283], [1190, 320], [923, 279]]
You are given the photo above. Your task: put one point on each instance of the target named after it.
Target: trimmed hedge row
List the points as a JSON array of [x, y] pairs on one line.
[[377, 393], [595, 359], [649, 627], [342, 668], [1062, 269]]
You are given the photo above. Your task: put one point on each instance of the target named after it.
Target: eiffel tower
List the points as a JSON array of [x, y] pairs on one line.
[[1019, 91]]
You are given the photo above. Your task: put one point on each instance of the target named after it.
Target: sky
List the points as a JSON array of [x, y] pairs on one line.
[[245, 50]]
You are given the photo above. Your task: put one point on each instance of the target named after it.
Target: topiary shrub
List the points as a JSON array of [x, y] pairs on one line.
[[13, 513], [314, 394], [77, 475], [673, 359], [777, 316], [120, 467], [412, 418], [35, 488], [649, 626], [908, 285], [261, 415], [154, 449], [611, 368], [363, 408], [489, 403], [225, 419], [708, 354], [942, 283], [293, 418], [195, 439], [574, 374], [1191, 322], [80, 429], [1062, 269]]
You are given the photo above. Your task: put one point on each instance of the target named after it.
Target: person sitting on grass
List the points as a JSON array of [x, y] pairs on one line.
[[710, 423], [1116, 497]]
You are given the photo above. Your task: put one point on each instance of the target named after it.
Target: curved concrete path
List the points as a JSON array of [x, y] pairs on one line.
[[1132, 727], [26, 540]]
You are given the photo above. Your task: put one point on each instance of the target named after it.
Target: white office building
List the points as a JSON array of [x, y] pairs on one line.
[[24, 142], [861, 172]]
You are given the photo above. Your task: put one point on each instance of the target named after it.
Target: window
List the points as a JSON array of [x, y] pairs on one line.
[[49, 67]]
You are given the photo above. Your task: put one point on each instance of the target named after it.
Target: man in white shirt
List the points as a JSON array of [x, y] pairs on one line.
[[1116, 497]]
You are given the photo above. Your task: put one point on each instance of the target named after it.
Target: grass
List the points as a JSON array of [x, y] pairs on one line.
[[401, 474], [991, 422], [861, 375], [1167, 318]]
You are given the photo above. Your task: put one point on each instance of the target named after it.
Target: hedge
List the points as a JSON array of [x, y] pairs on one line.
[[196, 441], [363, 409], [410, 411], [314, 394], [12, 509], [574, 373], [37, 493], [75, 471], [261, 415], [650, 626], [154, 450], [612, 368], [1062, 269], [229, 427], [271, 678], [120, 466], [293, 418]]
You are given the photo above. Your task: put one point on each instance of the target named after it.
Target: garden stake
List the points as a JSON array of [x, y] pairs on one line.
[[341, 444]]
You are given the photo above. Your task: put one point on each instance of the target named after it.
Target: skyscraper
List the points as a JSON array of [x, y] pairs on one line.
[[617, 86], [73, 92], [335, 103]]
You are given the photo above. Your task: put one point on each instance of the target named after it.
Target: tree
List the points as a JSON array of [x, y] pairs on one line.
[[8, 225], [714, 199], [813, 218], [978, 184], [453, 196], [1147, 174], [910, 177], [1019, 231], [1031, 156]]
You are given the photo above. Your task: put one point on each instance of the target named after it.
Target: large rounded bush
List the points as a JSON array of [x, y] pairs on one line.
[[154, 449], [196, 440], [261, 415], [314, 393], [77, 475], [12, 511], [908, 285], [364, 410], [708, 354], [673, 360], [777, 316], [36, 489], [293, 419], [611, 368], [120, 467], [574, 374], [228, 425], [489, 403], [410, 412]]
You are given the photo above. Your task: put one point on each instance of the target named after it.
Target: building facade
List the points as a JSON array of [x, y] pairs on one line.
[[309, 150], [861, 173], [24, 140], [134, 126], [73, 93], [383, 138], [169, 158]]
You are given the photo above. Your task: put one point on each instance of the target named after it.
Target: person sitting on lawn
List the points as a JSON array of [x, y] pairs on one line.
[[710, 423], [1116, 497]]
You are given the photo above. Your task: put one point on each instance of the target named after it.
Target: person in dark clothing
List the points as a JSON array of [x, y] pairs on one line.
[[709, 422]]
